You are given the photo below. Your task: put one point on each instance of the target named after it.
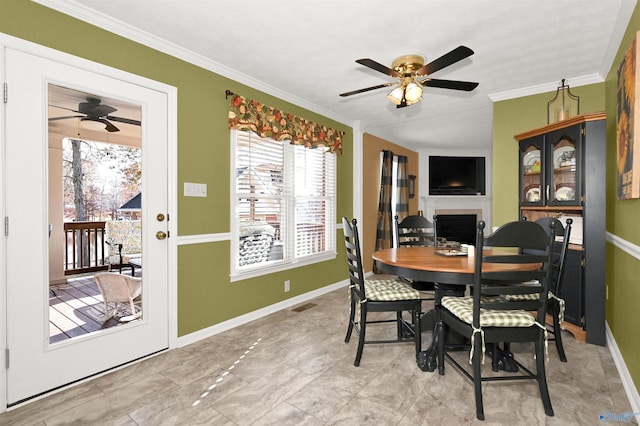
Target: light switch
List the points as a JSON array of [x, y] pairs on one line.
[[195, 189]]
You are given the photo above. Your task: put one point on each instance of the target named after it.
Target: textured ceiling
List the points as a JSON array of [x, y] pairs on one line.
[[304, 52]]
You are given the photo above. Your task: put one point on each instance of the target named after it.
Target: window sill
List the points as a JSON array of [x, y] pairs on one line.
[[282, 266]]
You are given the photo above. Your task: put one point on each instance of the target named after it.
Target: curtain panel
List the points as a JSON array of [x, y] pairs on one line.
[[267, 122], [384, 223], [402, 185]]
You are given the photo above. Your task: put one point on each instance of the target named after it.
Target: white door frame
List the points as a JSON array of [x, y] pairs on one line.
[[7, 41]]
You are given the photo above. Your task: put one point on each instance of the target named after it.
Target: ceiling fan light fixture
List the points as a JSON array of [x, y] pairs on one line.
[[396, 95], [413, 93], [91, 124]]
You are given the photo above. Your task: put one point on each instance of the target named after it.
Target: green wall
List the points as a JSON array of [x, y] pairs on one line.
[[205, 294], [526, 113], [623, 269]]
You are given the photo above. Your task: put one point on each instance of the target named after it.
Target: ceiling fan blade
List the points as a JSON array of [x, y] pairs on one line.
[[65, 108], [66, 117], [457, 54], [378, 67], [109, 127], [450, 84], [124, 120], [355, 92]]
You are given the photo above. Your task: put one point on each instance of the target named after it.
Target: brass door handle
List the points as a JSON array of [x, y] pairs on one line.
[[161, 235]]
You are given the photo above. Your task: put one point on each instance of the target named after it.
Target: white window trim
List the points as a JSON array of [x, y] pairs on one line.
[[286, 264]]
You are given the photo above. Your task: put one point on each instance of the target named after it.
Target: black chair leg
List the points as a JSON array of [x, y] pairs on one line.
[[542, 377], [363, 329], [352, 315], [417, 329], [477, 374], [557, 334], [399, 325], [439, 333]]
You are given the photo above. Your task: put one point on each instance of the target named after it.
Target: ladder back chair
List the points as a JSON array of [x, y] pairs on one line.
[[415, 231], [489, 316], [368, 296], [555, 303]]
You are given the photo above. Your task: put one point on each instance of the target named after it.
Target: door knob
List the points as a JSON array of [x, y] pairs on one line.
[[161, 235], [160, 217]]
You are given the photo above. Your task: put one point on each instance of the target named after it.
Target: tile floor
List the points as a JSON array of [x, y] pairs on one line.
[[293, 368]]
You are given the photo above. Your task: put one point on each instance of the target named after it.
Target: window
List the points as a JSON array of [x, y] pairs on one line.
[[283, 205]]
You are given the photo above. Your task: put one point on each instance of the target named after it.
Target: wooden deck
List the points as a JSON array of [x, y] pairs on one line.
[[75, 309]]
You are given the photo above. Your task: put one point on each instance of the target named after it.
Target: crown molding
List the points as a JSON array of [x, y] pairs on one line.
[[545, 87], [83, 13]]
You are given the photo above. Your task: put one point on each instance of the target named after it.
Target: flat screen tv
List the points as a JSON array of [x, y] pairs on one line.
[[456, 175]]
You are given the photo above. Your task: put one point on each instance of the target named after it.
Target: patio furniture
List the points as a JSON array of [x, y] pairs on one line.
[[117, 289]]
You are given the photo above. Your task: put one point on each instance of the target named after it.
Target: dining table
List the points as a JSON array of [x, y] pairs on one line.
[[450, 270]]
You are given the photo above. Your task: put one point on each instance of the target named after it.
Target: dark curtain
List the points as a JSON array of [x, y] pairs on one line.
[[384, 222], [402, 187]]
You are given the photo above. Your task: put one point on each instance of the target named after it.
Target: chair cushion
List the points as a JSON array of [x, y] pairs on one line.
[[386, 290], [462, 307], [533, 296]]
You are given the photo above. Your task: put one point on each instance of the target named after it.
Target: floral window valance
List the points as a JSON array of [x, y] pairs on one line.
[[268, 122]]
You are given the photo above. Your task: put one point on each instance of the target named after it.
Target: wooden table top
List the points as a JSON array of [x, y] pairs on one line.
[[425, 258], [424, 263]]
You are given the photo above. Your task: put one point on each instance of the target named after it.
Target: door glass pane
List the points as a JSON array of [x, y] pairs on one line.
[[95, 213]]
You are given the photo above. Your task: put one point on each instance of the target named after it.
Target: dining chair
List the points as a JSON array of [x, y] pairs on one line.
[[415, 231], [555, 303], [489, 316], [117, 289], [367, 296]]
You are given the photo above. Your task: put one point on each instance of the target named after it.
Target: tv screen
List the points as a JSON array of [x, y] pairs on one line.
[[456, 175]]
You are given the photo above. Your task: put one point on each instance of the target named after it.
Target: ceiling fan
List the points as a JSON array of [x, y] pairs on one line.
[[96, 112], [413, 74]]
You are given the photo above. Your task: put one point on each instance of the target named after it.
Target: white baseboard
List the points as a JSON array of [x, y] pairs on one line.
[[625, 376], [251, 316]]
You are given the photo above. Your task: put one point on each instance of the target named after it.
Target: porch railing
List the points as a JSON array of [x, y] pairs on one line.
[[85, 247]]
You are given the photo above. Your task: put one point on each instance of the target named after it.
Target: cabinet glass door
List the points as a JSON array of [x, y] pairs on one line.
[[531, 166], [564, 167]]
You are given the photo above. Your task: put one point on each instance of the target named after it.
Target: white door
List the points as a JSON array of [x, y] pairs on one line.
[[35, 364]]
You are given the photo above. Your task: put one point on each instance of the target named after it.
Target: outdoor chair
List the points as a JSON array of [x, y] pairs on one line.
[[378, 296], [490, 316], [119, 262], [117, 289]]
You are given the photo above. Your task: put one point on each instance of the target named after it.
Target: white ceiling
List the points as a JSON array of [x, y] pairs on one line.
[[304, 52]]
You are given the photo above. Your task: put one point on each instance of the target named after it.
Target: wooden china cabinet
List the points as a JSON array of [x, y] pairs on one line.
[[562, 174]]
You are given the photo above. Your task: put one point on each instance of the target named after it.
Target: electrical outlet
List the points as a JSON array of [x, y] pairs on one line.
[[287, 286]]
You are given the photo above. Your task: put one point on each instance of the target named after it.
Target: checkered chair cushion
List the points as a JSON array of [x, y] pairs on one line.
[[561, 302], [462, 307], [387, 290]]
